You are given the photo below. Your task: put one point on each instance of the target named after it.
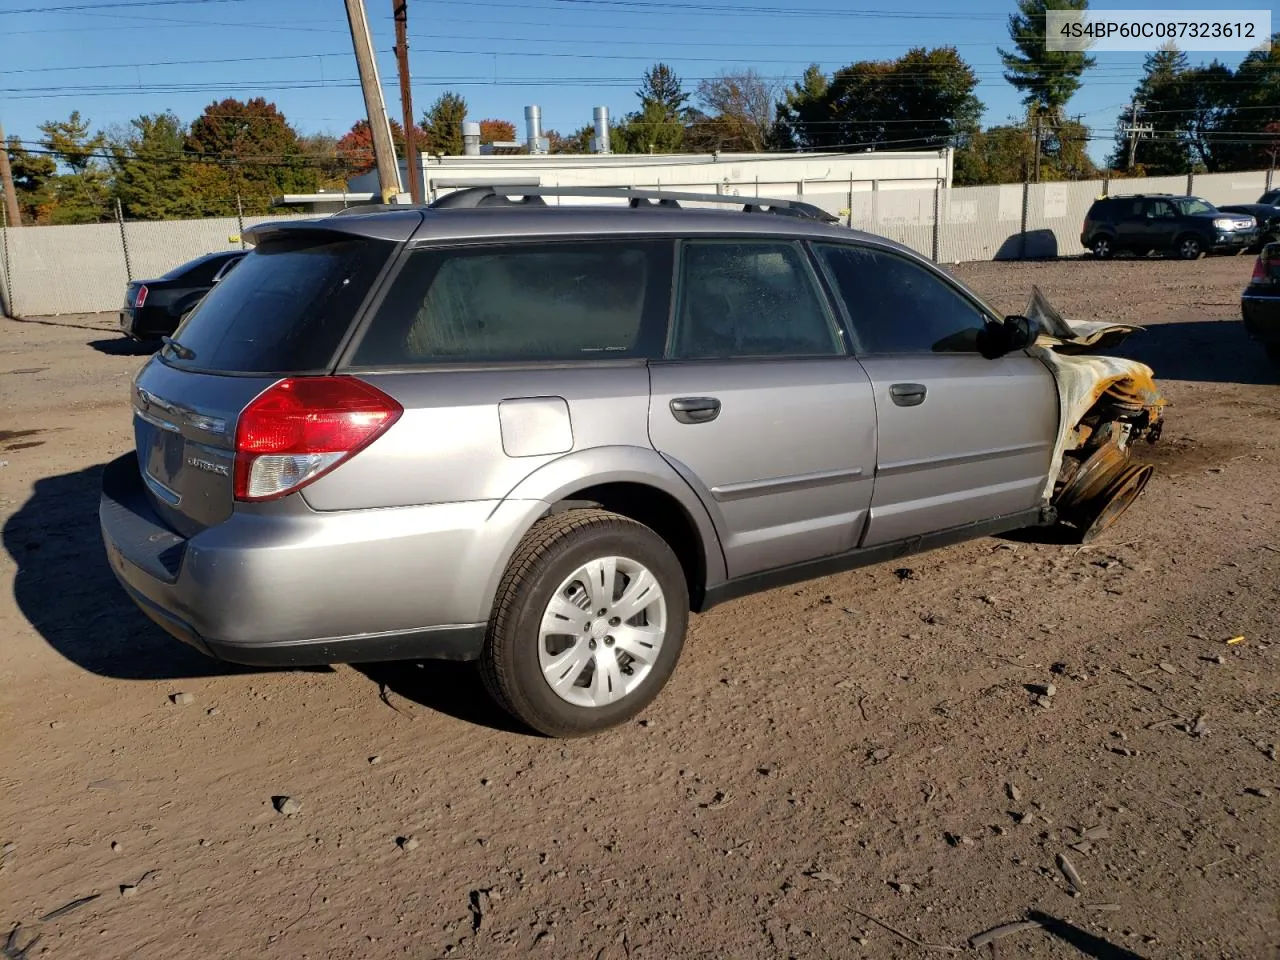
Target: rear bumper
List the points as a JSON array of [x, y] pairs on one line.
[[314, 588], [145, 323], [1261, 315]]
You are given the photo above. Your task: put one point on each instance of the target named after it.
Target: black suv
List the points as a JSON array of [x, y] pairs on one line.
[[1185, 226]]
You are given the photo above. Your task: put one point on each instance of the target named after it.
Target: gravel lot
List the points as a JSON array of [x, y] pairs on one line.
[[863, 746]]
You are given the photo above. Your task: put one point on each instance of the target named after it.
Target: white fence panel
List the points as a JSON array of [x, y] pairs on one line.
[[70, 269], [1055, 214], [156, 247], [1222, 189], [980, 223]]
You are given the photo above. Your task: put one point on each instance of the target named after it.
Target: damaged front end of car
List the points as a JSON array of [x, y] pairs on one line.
[[1108, 405]]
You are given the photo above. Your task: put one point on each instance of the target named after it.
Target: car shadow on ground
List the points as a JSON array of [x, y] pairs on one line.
[[446, 687], [65, 589], [124, 347], [1207, 351]]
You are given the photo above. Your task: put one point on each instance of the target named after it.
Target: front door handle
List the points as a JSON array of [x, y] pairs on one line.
[[907, 394], [695, 409]]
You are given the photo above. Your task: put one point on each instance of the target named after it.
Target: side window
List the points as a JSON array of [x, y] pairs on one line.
[[745, 298], [1160, 209], [523, 302], [898, 306]]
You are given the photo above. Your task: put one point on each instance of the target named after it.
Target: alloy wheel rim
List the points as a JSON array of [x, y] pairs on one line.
[[602, 631]]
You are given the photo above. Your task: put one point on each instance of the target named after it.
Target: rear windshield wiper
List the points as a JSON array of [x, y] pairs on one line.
[[182, 353]]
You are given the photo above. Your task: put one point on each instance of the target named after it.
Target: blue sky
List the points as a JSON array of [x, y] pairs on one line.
[[136, 56]]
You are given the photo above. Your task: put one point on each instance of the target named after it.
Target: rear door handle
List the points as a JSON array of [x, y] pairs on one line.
[[907, 394], [695, 409]]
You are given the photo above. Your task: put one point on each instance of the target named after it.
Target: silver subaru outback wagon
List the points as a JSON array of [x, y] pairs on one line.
[[538, 436]]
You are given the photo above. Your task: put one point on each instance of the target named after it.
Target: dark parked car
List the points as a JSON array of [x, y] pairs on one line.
[[1267, 215], [1271, 198], [1260, 302], [153, 308], [1187, 227]]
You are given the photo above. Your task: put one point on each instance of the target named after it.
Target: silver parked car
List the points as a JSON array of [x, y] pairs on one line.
[[540, 435]]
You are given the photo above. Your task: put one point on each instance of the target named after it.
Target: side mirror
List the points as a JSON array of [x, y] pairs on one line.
[[1014, 332]]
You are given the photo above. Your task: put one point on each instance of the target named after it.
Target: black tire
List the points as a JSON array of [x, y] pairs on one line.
[[1103, 247], [551, 551], [1189, 247]]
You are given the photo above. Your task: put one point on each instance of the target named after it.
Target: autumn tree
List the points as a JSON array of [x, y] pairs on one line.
[[248, 150], [497, 131], [443, 124], [577, 142], [738, 109], [322, 164], [355, 148], [1000, 154]]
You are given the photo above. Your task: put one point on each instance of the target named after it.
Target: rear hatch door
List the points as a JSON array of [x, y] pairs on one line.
[[286, 310]]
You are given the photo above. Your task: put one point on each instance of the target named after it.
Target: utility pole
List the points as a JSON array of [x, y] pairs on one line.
[[384, 151], [6, 183], [1135, 130], [401, 10]]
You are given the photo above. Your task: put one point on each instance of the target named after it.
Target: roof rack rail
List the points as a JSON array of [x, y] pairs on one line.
[[500, 196]]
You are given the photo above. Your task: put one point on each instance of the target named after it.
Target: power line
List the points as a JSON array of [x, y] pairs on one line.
[[81, 7]]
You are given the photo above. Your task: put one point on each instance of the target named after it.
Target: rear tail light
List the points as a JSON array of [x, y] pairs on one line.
[[140, 297], [299, 429], [1262, 266]]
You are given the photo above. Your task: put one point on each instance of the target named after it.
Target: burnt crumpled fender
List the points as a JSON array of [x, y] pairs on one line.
[[1084, 376]]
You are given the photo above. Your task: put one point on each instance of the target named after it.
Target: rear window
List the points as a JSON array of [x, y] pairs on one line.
[[195, 269], [523, 303], [285, 308]]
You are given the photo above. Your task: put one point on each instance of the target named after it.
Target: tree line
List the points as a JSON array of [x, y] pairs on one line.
[[237, 155]]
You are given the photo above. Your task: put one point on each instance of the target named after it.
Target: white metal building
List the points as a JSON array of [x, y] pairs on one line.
[[825, 179]]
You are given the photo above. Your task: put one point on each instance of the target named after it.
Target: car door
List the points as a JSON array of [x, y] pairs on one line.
[[961, 438], [1159, 224], [758, 404], [1131, 224]]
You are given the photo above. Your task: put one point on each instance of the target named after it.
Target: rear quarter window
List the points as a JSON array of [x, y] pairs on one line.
[[525, 302], [285, 308]]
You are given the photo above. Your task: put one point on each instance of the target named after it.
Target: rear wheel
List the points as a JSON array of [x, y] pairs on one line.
[[1103, 248], [1189, 248], [588, 623]]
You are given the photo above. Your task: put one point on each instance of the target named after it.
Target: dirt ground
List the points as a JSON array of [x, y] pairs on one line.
[[854, 767]]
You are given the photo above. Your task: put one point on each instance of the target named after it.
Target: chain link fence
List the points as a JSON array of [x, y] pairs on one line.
[[85, 268]]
